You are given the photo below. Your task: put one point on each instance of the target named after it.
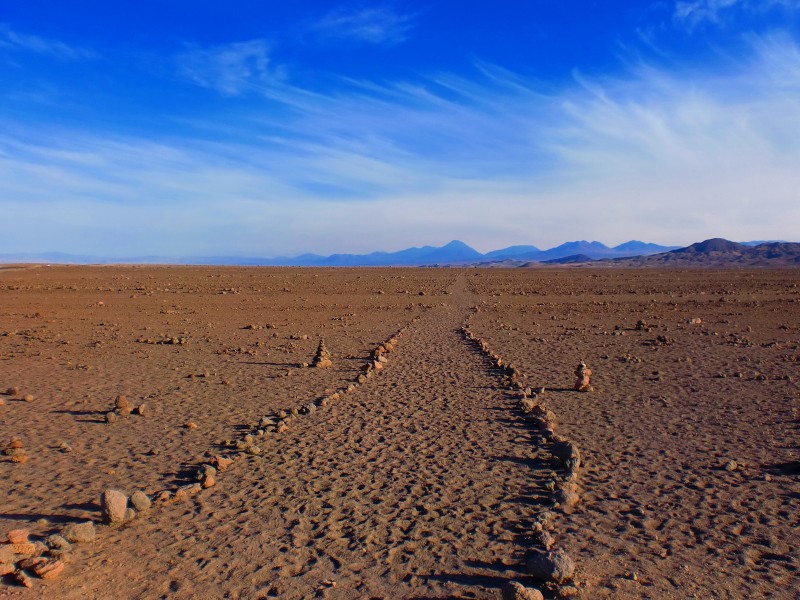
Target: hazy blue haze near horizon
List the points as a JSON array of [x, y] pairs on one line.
[[261, 129]]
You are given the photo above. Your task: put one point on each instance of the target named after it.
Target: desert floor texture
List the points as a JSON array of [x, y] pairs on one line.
[[417, 475]]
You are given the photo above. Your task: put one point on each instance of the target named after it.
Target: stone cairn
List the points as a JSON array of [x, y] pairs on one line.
[[123, 408], [21, 557], [584, 374], [322, 360]]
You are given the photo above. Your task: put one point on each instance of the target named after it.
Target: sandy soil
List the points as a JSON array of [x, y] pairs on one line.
[[423, 481], [661, 517]]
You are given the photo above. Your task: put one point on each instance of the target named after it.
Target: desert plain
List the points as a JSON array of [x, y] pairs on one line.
[[428, 460]]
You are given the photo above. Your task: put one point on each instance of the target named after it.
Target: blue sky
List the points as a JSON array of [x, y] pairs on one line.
[[262, 128]]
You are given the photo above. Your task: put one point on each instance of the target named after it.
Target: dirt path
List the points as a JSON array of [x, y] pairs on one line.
[[418, 484]]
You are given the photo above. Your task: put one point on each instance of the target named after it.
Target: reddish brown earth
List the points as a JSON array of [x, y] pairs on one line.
[[423, 481]]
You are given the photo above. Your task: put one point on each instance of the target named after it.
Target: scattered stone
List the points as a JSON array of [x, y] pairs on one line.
[[25, 548], [113, 504], [208, 481], [567, 591], [122, 406], [140, 501], [19, 457], [111, 417], [41, 548], [29, 563], [253, 450], [130, 514], [542, 537], [58, 543], [528, 405], [140, 410], [731, 465], [187, 491], [191, 425], [12, 391], [516, 591], [567, 494], [6, 569], [205, 471], [50, 569], [28, 398], [221, 463], [566, 452], [65, 447], [18, 536], [554, 566], [6, 555], [22, 579], [583, 383], [80, 533], [695, 321]]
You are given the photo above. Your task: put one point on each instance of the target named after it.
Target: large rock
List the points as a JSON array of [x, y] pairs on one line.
[[18, 536], [49, 569], [113, 504], [516, 591], [7, 555], [80, 533], [25, 548], [140, 501], [556, 566]]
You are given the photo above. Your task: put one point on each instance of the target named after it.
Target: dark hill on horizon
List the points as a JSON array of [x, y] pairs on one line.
[[720, 253]]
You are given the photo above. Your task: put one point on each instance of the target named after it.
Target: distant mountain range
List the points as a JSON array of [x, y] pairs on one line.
[[457, 253]]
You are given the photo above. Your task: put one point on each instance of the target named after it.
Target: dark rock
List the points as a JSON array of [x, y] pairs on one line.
[[554, 566], [516, 591]]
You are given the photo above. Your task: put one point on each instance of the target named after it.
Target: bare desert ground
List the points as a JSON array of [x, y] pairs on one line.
[[417, 465]]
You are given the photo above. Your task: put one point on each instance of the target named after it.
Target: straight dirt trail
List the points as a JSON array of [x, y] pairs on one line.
[[418, 484]]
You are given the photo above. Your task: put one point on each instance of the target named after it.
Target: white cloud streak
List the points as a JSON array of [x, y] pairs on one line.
[[666, 157], [373, 25], [696, 12], [230, 69], [12, 40]]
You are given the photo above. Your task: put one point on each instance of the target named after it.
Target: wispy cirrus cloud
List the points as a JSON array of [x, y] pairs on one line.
[[14, 40], [231, 69], [374, 25], [695, 12], [668, 156]]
